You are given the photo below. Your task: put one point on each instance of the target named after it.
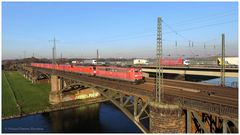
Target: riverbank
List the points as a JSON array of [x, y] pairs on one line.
[[61, 106], [9, 102], [22, 98]]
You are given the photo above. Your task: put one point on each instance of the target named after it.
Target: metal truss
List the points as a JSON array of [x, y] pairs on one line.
[[134, 107], [70, 86], [205, 123], [43, 76], [218, 109]]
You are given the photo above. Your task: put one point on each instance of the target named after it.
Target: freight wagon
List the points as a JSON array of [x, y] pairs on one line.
[[229, 61]]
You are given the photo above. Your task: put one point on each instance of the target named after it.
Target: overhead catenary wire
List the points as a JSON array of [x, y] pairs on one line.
[[204, 26], [191, 42], [206, 18], [186, 21], [152, 34]]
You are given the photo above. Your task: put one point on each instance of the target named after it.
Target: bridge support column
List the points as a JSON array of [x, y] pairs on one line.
[[166, 118], [34, 80], [54, 96], [29, 77], [26, 75], [33, 77]]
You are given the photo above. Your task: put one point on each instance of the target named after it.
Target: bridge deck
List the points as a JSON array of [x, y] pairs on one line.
[[201, 71]]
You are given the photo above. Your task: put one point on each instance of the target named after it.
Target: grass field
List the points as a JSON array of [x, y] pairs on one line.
[[31, 97], [9, 105]]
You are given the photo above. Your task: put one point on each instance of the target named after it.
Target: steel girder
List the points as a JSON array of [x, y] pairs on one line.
[[207, 123], [132, 106]]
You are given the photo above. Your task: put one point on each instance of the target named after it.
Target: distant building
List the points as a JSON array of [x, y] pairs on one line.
[[90, 62], [140, 62]]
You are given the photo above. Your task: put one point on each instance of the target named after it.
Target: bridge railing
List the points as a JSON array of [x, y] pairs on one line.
[[204, 106]]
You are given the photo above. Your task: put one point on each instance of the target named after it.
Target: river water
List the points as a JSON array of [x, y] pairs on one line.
[[229, 81], [94, 118]]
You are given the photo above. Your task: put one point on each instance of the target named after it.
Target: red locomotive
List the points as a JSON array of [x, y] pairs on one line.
[[112, 72], [127, 74], [174, 62], [171, 62]]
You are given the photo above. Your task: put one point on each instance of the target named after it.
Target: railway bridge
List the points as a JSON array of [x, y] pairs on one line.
[[188, 107]]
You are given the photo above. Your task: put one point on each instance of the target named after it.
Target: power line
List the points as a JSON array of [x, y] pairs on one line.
[[206, 17], [212, 19], [182, 22], [180, 35], [203, 26], [151, 34], [174, 30], [141, 35]]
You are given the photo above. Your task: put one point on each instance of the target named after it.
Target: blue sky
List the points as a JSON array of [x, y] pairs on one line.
[[117, 29]]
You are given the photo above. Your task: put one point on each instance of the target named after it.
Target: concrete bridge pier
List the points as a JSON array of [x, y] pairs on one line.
[[33, 77], [54, 95], [166, 118], [28, 77]]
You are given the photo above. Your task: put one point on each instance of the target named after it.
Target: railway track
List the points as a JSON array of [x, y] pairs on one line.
[[208, 89], [196, 91]]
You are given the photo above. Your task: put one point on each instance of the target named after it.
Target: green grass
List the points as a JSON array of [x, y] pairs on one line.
[[31, 97], [9, 105]]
